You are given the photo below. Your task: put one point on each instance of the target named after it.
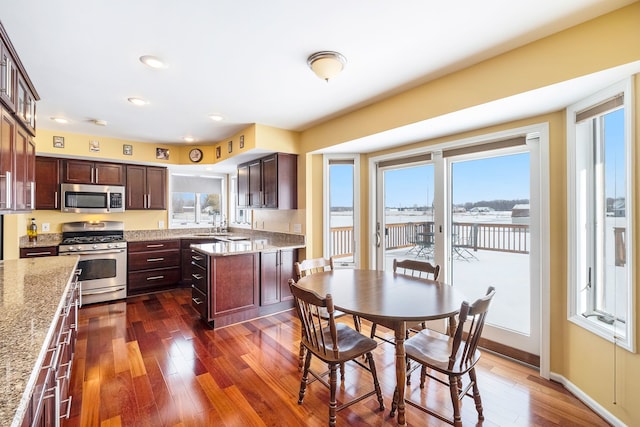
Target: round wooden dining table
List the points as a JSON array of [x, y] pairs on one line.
[[390, 299]]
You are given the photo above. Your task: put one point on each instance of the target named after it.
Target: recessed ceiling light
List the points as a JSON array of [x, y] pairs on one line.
[[59, 120], [152, 61], [216, 117], [138, 101], [189, 138]]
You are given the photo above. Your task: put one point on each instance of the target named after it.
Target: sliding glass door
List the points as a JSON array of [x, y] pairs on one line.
[[490, 242], [474, 209]]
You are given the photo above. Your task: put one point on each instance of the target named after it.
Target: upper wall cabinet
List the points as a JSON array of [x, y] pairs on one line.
[[47, 183], [146, 187], [87, 172], [269, 182], [7, 76], [17, 128]]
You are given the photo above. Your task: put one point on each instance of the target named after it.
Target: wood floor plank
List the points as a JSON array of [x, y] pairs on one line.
[[150, 361]]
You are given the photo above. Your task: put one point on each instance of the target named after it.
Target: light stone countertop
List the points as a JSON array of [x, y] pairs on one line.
[[31, 292]]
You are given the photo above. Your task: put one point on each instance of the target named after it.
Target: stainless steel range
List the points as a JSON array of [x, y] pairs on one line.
[[103, 258]]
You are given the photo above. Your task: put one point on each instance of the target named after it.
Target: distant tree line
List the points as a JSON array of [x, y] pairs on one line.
[[496, 205]]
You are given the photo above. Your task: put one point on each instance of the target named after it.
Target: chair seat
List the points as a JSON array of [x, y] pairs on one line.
[[432, 348], [352, 344]]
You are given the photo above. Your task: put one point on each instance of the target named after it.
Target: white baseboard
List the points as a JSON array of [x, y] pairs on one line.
[[587, 400]]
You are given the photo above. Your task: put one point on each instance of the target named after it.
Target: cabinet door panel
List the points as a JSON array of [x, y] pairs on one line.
[[109, 174], [287, 271], [255, 184], [270, 181], [136, 187], [47, 183], [78, 172], [269, 278], [243, 185], [7, 147], [234, 285], [156, 188]]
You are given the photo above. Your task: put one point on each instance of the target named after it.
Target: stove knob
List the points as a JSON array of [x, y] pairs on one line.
[[95, 246], [72, 248], [109, 245]]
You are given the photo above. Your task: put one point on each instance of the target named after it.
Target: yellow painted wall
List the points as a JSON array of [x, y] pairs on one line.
[[608, 41], [276, 139]]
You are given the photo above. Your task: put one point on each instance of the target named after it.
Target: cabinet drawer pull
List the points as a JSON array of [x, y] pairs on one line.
[[65, 416], [154, 259], [197, 301], [155, 277], [39, 253], [156, 245], [196, 276]]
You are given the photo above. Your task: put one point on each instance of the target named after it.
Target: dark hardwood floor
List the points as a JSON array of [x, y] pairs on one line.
[[151, 362]]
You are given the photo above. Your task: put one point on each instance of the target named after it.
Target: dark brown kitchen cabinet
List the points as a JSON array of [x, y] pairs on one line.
[[38, 251], [17, 127], [153, 265], [243, 185], [17, 165], [146, 187], [88, 172], [25, 174], [186, 255], [269, 182], [279, 181], [233, 285], [50, 403], [276, 268], [26, 105], [7, 76], [47, 183], [7, 155]]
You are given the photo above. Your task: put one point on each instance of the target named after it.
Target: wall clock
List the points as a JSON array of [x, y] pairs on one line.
[[195, 155]]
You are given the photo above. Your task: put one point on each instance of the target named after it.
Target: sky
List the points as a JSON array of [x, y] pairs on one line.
[[504, 177]]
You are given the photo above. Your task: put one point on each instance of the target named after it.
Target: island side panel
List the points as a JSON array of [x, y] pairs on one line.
[[234, 288]]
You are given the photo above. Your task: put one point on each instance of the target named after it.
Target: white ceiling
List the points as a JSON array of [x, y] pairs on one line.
[[246, 60]]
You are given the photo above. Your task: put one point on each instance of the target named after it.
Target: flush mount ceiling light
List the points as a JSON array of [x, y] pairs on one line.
[[326, 64], [189, 139], [152, 61], [216, 117], [137, 101], [59, 120]]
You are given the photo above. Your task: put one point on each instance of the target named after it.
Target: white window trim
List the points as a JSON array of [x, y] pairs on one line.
[[223, 201], [592, 324], [326, 208]]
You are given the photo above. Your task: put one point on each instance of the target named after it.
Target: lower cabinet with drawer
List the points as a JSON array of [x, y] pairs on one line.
[[50, 402], [225, 289], [38, 251], [153, 266]]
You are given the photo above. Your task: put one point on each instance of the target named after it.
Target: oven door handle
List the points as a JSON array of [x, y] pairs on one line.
[[98, 252], [85, 294]]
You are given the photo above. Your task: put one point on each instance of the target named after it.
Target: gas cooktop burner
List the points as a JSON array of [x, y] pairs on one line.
[[92, 239], [92, 236]]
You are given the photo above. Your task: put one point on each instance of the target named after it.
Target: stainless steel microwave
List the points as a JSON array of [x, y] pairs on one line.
[[91, 198]]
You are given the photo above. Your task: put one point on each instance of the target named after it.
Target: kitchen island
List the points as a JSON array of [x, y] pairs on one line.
[[234, 281], [33, 295]]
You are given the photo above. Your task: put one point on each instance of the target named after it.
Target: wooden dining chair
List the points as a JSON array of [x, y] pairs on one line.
[[452, 357], [333, 343], [316, 265], [413, 268]]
